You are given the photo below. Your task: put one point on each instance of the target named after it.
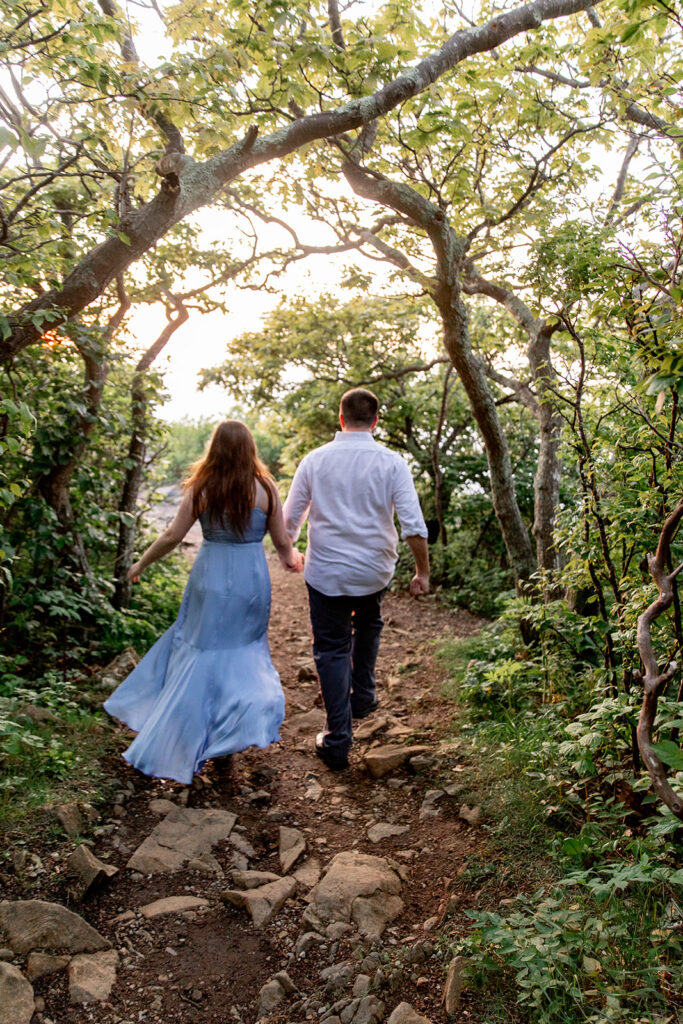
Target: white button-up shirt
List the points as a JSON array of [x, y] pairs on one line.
[[349, 490]]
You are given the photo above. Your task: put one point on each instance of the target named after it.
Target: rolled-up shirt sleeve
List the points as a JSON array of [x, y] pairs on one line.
[[298, 501], [407, 503]]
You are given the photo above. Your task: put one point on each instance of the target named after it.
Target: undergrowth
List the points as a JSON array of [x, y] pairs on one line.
[[590, 928]]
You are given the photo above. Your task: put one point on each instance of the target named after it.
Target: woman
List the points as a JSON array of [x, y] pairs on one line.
[[208, 687]]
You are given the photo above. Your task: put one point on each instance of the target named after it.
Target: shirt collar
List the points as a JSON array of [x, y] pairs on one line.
[[354, 437]]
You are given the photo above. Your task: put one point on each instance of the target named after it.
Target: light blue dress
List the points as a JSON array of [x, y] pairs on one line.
[[208, 687]]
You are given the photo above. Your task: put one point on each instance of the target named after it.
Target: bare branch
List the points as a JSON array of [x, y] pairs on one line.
[[655, 681]]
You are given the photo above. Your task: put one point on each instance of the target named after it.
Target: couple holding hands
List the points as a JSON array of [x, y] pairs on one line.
[[208, 687]]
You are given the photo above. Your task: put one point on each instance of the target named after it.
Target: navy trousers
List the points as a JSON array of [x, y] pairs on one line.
[[346, 632]]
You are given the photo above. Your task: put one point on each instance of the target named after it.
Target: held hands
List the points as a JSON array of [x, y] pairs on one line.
[[294, 562], [419, 585]]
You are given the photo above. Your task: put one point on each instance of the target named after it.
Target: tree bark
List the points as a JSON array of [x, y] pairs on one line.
[[137, 450], [445, 290], [548, 474], [189, 185], [654, 681], [54, 484]]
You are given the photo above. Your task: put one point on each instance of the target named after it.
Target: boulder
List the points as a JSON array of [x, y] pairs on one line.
[[185, 834], [85, 865], [292, 845], [405, 1014], [35, 924], [382, 760], [172, 905], [16, 996], [360, 888], [262, 903], [92, 976]]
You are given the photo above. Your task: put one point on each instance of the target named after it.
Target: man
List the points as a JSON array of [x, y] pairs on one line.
[[349, 490]]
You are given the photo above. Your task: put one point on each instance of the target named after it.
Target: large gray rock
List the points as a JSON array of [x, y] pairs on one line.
[[405, 1014], [92, 976], [292, 845], [360, 888], [26, 925], [185, 834], [16, 996], [382, 760], [263, 903]]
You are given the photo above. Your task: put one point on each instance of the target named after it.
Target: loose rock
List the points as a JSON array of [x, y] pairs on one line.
[[262, 903], [405, 1014], [253, 879], [89, 869], [292, 845], [384, 830], [308, 873], [70, 818], [16, 996], [270, 996], [117, 670], [92, 976], [185, 833], [35, 924], [382, 760], [452, 990], [172, 905], [472, 815], [360, 888], [39, 965]]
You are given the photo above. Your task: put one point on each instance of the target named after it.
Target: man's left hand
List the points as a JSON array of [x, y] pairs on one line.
[[419, 585]]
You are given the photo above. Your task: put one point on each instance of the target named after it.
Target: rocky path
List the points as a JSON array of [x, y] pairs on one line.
[[281, 891]]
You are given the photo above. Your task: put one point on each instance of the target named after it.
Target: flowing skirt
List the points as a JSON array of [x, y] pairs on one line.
[[208, 686]]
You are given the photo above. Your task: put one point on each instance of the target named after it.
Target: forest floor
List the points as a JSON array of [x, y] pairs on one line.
[[206, 961]]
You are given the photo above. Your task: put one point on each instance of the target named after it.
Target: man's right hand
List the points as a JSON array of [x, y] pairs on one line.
[[419, 585]]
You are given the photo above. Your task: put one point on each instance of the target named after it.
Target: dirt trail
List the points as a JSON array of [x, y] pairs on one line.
[[209, 964]]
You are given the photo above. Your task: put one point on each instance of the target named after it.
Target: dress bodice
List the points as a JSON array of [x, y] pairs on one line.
[[222, 532]]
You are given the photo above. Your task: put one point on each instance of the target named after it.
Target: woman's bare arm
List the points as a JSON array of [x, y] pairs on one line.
[[290, 559], [167, 540]]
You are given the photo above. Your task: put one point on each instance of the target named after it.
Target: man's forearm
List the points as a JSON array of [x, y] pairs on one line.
[[420, 550]]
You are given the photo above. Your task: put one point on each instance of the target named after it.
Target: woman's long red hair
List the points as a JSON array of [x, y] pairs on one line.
[[223, 481]]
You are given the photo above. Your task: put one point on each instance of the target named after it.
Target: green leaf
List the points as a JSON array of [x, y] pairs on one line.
[[669, 753]]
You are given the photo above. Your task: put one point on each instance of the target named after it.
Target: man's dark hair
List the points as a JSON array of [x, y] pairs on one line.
[[359, 408]]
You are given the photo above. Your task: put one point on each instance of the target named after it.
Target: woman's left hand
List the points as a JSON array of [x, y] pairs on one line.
[[134, 573]]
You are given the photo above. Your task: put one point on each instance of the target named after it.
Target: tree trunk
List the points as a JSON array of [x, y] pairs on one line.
[[176, 314], [450, 251], [548, 471]]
